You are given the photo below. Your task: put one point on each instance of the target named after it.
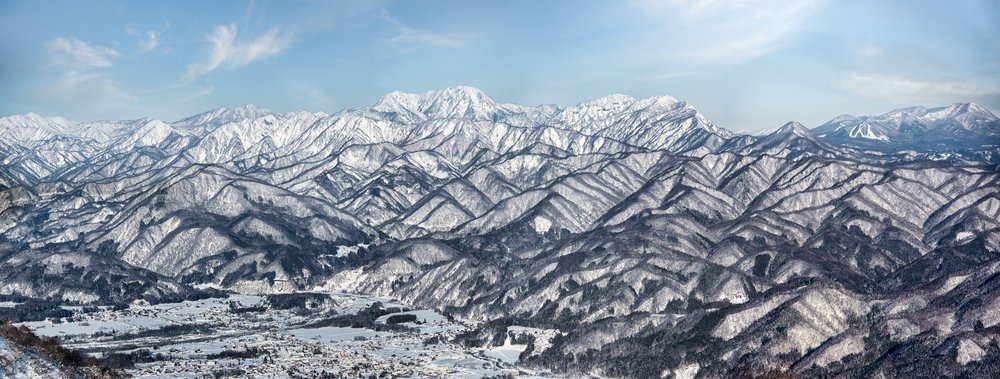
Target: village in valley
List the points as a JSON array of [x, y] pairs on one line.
[[307, 335]]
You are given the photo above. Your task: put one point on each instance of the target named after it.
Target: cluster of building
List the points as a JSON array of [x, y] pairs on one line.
[[209, 338]]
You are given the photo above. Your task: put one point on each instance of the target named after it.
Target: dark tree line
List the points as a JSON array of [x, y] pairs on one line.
[[71, 362]]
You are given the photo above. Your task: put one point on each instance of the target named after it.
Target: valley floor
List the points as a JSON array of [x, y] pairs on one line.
[[242, 336]]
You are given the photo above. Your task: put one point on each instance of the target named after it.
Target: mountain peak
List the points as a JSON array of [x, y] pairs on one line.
[[966, 114], [793, 127], [615, 99], [458, 101], [843, 117], [406, 99], [34, 116], [938, 113], [242, 112], [905, 112], [249, 108], [32, 126], [958, 124], [662, 99], [466, 91], [464, 94], [219, 116], [972, 107]]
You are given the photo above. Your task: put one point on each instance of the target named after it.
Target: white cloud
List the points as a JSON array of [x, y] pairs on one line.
[[148, 41], [151, 42], [690, 6], [914, 91], [408, 35], [80, 82], [74, 54], [717, 32], [226, 51], [94, 91]]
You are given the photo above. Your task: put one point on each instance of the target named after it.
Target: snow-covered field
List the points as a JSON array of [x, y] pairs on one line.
[[203, 338]]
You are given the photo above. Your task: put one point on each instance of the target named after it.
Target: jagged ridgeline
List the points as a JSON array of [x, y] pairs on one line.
[[655, 240]]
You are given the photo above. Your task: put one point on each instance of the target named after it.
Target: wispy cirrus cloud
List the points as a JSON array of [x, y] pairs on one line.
[[226, 51], [692, 6], [74, 54], [906, 90], [408, 35], [701, 34], [93, 90], [79, 86], [81, 79], [151, 41], [147, 40]]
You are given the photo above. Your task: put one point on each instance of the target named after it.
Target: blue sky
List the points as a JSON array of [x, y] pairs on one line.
[[746, 64]]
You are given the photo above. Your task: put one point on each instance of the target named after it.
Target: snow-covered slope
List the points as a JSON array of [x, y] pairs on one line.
[[16, 363], [615, 210], [966, 125]]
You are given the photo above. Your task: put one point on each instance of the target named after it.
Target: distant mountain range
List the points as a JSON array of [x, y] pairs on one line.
[[927, 129], [660, 243]]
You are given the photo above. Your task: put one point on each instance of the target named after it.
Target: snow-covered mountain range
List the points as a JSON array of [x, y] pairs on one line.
[[623, 220], [942, 128]]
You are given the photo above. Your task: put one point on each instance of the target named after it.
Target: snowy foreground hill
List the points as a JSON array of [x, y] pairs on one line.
[[651, 240]]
